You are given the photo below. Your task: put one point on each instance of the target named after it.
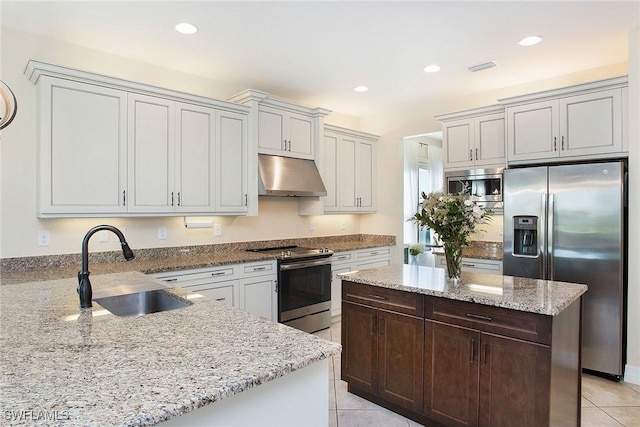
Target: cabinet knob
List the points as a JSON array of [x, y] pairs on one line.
[[172, 198], [470, 154], [562, 143], [124, 197], [555, 143], [179, 202], [476, 154]]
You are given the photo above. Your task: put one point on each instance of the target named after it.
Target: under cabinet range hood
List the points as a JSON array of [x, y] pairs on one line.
[[287, 176]]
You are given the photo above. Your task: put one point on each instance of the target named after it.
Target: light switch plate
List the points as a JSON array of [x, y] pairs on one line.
[[104, 236]]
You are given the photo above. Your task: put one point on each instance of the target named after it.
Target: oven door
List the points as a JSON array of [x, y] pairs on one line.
[[304, 288]]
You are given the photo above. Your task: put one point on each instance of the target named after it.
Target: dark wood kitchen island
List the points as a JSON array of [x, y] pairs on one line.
[[488, 351]]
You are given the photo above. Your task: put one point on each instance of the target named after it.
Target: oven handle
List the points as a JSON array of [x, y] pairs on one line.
[[305, 264]]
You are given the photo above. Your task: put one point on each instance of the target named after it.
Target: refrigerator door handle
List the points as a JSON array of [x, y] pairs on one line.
[[550, 234], [542, 236]]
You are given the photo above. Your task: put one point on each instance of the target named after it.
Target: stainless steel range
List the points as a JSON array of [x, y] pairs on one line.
[[304, 286]]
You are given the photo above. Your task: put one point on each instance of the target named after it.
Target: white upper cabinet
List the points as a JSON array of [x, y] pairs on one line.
[[285, 134], [580, 122], [231, 166], [82, 151], [151, 154], [283, 128], [118, 148], [194, 158], [349, 170], [473, 138]]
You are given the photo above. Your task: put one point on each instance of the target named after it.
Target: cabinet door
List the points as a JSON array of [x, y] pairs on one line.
[[489, 148], [300, 138], [359, 346], [151, 154], [82, 148], [451, 374], [195, 150], [400, 359], [271, 132], [514, 382], [365, 176], [231, 171], [591, 123], [257, 296], [347, 174], [336, 288], [330, 171], [532, 131], [457, 142]]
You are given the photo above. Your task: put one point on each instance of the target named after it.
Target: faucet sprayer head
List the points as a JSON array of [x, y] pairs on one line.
[[127, 252]]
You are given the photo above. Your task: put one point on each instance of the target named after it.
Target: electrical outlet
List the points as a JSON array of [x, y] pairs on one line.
[[103, 236], [162, 233], [43, 238], [312, 225], [343, 225], [217, 230]]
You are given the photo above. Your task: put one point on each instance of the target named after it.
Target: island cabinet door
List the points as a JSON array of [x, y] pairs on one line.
[[514, 382], [451, 374], [360, 344], [400, 353]]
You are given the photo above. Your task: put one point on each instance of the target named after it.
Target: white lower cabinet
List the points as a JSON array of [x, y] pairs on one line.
[[258, 290], [474, 265], [250, 287], [344, 262]]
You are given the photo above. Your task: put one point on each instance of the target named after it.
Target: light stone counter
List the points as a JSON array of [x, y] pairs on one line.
[[83, 368], [516, 293]]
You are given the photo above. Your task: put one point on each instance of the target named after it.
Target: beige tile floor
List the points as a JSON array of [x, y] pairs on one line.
[[604, 403]]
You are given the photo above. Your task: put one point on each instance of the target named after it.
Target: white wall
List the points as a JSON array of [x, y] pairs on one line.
[[633, 319], [18, 224]]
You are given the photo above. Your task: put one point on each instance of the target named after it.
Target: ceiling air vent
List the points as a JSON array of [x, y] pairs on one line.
[[482, 66]]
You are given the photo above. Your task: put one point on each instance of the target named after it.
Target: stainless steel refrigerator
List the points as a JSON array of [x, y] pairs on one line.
[[567, 223]]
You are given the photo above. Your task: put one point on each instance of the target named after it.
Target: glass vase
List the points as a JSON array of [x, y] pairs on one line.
[[453, 255]]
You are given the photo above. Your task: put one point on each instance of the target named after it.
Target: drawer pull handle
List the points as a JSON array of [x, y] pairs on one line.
[[378, 297], [220, 299], [174, 279], [374, 253], [259, 268], [343, 257], [218, 273], [479, 317], [468, 265], [473, 347]]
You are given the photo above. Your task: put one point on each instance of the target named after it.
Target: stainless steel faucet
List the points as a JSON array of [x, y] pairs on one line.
[[84, 285]]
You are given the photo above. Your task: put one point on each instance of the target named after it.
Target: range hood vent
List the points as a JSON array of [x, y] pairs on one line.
[[286, 176]]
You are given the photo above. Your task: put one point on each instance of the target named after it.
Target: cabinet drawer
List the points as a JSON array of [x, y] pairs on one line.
[[226, 292], [373, 253], [390, 299], [341, 257], [187, 277], [259, 268], [511, 323]]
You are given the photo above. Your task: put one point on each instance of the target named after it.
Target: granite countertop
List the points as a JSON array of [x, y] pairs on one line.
[[135, 371], [23, 270], [479, 250], [516, 293]]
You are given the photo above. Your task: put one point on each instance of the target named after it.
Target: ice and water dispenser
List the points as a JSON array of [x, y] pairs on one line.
[[525, 235]]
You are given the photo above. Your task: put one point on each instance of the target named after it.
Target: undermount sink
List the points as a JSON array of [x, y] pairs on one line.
[[141, 303]]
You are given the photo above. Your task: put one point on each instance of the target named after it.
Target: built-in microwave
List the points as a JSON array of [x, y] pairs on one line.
[[486, 184]]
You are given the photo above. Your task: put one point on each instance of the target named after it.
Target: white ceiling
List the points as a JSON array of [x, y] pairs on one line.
[[316, 52]]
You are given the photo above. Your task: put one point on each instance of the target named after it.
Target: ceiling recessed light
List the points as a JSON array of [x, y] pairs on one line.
[[431, 68], [361, 88], [186, 28], [530, 41]]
